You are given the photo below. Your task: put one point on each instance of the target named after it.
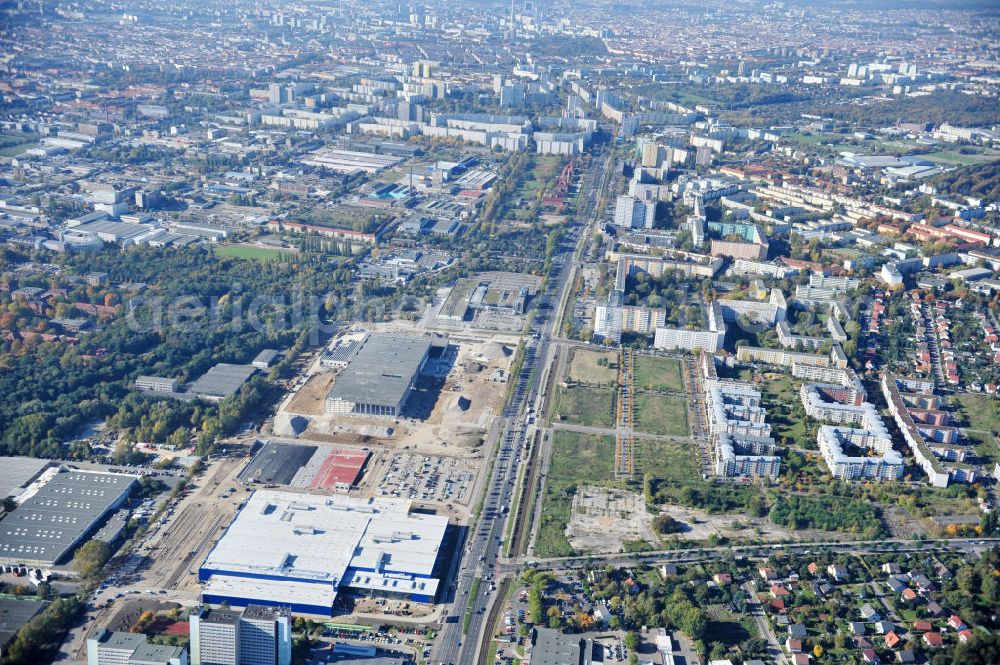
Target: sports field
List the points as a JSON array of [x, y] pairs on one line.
[[249, 252]]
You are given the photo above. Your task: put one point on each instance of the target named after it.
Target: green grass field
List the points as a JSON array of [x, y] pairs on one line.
[[14, 150], [982, 412], [652, 373], [668, 461], [249, 252], [954, 157], [12, 145], [583, 367], [591, 407], [658, 414], [675, 472], [981, 415], [576, 459], [780, 396], [543, 167], [813, 139], [732, 630]]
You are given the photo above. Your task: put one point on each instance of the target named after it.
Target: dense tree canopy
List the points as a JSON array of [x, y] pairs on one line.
[[827, 513], [981, 181], [91, 557]]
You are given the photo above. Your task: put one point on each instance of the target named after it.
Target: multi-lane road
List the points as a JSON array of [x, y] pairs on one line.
[[475, 582]]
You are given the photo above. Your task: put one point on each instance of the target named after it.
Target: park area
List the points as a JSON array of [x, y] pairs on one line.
[[659, 374]]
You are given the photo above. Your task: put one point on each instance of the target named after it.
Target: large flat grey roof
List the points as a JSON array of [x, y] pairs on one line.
[[551, 647], [121, 640], [382, 370], [266, 356], [13, 615], [119, 229], [17, 472], [155, 653], [222, 380], [49, 523], [349, 659], [277, 463]]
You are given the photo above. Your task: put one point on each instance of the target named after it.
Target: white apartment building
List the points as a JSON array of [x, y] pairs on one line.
[[710, 340], [157, 384], [871, 435], [633, 213], [790, 340], [257, 635], [937, 474], [611, 321], [116, 648], [845, 377], [887, 465], [734, 408], [743, 445], [769, 311], [214, 635], [265, 636], [746, 457]]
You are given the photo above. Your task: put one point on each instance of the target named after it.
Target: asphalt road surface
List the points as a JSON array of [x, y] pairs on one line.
[[457, 645]]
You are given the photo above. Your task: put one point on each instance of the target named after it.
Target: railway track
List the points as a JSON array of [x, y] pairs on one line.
[[490, 625], [526, 504], [172, 581]]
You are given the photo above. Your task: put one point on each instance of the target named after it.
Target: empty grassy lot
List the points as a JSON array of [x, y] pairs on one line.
[[584, 367], [652, 373], [576, 459], [981, 412], [981, 416], [954, 157], [669, 461], [591, 407], [659, 414], [587, 459], [543, 169], [12, 145]]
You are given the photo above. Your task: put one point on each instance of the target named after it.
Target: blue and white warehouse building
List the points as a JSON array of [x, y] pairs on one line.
[[301, 550]]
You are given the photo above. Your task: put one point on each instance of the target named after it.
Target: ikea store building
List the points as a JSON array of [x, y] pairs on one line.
[[301, 550]]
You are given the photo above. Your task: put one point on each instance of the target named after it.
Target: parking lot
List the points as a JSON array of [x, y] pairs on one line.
[[428, 478]]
